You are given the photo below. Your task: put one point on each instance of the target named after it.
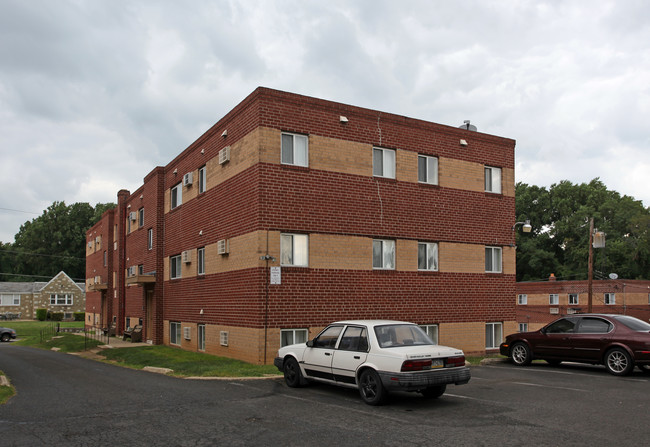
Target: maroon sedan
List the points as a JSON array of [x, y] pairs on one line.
[[617, 341]]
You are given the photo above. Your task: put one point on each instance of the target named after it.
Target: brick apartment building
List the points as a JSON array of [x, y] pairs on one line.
[[292, 212], [540, 302]]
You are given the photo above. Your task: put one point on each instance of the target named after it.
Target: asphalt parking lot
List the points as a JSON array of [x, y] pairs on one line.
[[64, 399]]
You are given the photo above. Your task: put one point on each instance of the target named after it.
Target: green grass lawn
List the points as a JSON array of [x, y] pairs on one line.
[[6, 392], [186, 363]]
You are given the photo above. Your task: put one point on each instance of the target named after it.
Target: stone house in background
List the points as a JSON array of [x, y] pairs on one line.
[[60, 294]]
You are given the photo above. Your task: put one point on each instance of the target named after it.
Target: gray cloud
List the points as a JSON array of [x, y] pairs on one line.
[[95, 94]]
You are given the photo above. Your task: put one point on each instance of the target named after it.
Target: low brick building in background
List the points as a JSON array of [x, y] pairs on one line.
[[59, 295], [292, 212], [540, 302]]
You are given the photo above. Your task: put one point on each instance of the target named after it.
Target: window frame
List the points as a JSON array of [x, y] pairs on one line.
[[67, 298], [493, 250], [293, 333], [522, 299], [428, 177], [175, 333], [384, 265], [141, 217], [292, 261], [175, 267], [176, 196], [202, 179], [553, 299], [429, 329], [495, 342], [392, 161], [609, 296], [11, 297], [150, 239], [428, 245], [490, 184], [576, 301], [200, 337], [523, 327], [294, 149], [200, 261]]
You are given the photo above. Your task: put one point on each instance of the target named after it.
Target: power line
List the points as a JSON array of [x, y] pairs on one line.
[[18, 211], [42, 254], [39, 276]]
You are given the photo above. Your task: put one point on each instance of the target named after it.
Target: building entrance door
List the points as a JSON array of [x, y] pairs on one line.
[[149, 330]]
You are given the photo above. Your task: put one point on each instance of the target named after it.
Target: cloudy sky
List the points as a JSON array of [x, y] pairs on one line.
[[96, 93]]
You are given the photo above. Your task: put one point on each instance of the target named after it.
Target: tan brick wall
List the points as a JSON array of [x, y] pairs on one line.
[[327, 251], [470, 176]]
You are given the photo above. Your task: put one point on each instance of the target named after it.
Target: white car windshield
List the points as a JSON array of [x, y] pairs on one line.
[[395, 335]]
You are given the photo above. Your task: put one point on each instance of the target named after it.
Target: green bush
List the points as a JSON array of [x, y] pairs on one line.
[[41, 314], [80, 316], [56, 316]]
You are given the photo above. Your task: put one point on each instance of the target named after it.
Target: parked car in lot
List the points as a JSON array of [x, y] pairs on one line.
[[7, 334], [617, 341], [375, 356]]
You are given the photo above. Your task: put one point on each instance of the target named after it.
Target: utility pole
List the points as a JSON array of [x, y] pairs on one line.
[[590, 276]]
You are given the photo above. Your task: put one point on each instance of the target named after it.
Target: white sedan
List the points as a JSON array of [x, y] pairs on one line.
[[375, 356]]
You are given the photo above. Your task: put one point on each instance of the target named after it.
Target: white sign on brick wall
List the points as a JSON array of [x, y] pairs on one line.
[[276, 275]]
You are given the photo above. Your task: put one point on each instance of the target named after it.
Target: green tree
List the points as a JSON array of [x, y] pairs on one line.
[[559, 242], [55, 241]]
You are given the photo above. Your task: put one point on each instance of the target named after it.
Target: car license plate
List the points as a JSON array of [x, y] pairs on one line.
[[437, 363]]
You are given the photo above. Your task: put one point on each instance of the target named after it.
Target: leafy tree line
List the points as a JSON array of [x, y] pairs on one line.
[[52, 242], [559, 241]]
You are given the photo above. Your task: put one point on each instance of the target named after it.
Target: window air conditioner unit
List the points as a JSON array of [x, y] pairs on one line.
[[223, 338], [133, 215], [186, 256], [554, 311], [187, 333], [223, 247], [130, 271], [187, 179], [224, 155]]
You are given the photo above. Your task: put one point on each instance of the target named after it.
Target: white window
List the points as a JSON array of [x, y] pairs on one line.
[[383, 162], [177, 195], [295, 149], [150, 238], [493, 335], [427, 169], [105, 258], [201, 337], [174, 333], [493, 180], [432, 331], [202, 179], [141, 217], [200, 254], [553, 299], [10, 300], [573, 299], [427, 256], [175, 267], [610, 298], [292, 336], [522, 299], [493, 259], [61, 299], [294, 250], [523, 327], [383, 254]]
